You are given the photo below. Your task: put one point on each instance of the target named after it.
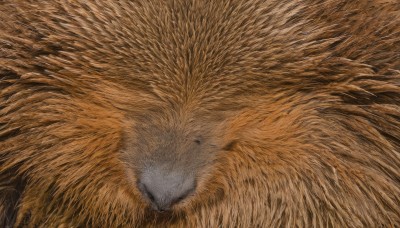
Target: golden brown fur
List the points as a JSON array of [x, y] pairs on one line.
[[300, 99]]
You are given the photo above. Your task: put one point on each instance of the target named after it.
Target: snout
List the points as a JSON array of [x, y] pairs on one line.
[[165, 188]]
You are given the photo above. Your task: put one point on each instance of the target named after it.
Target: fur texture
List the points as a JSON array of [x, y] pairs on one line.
[[295, 106]]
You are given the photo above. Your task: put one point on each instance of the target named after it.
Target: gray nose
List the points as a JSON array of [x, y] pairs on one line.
[[164, 189]]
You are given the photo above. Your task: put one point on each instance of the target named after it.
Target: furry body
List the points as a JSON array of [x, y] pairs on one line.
[[297, 104]]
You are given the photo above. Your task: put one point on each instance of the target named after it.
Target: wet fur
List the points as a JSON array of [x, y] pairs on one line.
[[301, 100]]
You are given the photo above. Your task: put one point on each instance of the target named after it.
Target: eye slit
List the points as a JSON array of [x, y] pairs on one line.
[[197, 141], [230, 146]]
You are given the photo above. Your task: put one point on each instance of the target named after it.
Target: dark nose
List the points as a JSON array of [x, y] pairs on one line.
[[164, 189]]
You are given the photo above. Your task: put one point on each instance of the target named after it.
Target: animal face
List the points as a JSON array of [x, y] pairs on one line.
[[230, 113], [168, 157]]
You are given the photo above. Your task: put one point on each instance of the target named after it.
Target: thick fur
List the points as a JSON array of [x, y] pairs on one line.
[[297, 104]]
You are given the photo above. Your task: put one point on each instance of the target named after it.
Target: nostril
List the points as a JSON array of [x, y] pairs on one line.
[[183, 196], [146, 192], [149, 195], [164, 190]]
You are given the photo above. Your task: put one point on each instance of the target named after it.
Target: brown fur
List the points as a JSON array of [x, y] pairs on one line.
[[298, 104]]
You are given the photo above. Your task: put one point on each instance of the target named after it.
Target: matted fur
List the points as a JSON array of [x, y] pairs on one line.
[[299, 103]]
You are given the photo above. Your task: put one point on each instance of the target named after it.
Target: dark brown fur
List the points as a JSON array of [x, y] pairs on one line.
[[297, 104]]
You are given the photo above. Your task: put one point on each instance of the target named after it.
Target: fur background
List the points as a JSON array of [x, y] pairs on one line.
[[297, 104]]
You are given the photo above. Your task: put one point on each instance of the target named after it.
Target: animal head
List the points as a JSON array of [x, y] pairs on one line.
[[194, 113]]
